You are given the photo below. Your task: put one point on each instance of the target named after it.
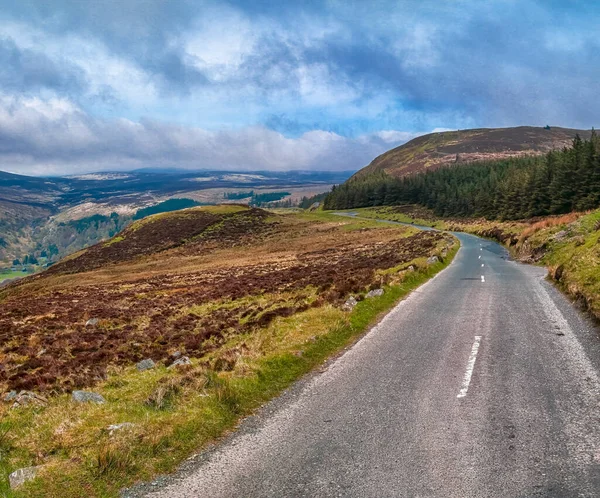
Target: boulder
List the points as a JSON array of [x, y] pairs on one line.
[[411, 268], [146, 364], [87, 397], [432, 260], [374, 293], [21, 476], [92, 322], [26, 398], [184, 360], [349, 304]]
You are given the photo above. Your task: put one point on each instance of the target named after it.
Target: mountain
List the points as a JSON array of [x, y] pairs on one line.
[[448, 147], [54, 216]]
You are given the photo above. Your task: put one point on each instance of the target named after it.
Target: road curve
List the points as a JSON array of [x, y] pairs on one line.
[[484, 382]]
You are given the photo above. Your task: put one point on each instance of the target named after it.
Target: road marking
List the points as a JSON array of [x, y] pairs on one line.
[[482, 265], [481, 248], [482, 278], [470, 366], [479, 257]]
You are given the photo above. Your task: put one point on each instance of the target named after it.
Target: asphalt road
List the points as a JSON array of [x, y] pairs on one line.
[[482, 383]]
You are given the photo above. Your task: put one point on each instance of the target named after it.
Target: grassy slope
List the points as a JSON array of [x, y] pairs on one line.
[[175, 412]]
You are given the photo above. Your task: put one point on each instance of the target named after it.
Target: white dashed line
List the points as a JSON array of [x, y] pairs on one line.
[[482, 278], [482, 265], [470, 366], [478, 257]]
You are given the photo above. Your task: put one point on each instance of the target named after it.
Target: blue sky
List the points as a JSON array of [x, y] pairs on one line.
[[122, 84]]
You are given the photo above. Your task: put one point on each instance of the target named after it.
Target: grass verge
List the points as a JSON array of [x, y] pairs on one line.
[[174, 412]]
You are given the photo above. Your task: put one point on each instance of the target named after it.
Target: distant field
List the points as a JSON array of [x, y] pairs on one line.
[[12, 274]]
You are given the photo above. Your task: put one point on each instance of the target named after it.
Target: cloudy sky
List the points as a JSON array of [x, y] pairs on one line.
[[121, 84]]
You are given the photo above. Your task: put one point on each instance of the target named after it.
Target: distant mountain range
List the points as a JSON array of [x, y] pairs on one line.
[[59, 215]]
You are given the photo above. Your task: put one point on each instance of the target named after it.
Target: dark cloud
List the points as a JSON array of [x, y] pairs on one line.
[[31, 71]]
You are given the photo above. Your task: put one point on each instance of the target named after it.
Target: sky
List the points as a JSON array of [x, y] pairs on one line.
[[102, 85]]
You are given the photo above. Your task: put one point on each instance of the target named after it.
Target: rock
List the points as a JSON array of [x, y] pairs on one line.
[[21, 476], [562, 235], [432, 260], [92, 322], [87, 397], [374, 293], [25, 398], [118, 427], [176, 354], [146, 364], [184, 360], [10, 396], [558, 272], [411, 268], [349, 304]]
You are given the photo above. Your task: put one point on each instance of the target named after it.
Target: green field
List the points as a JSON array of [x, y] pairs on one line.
[[5, 275]]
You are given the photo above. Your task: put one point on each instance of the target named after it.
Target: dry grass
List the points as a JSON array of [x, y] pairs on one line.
[[260, 314], [550, 221]]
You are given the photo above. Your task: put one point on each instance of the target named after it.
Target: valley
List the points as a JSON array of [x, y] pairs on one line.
[[57, 216]]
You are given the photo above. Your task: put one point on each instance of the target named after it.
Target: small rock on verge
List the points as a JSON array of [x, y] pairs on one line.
[[349, 304], [374, 293], [146, 364], [92, 322], [431, 260], [25, 398], [21, 476], [184, 360], [87, 397]]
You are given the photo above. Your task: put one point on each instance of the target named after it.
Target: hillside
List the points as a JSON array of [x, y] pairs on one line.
[[56, 216], [509, 188], [439, 149], [247, 300]]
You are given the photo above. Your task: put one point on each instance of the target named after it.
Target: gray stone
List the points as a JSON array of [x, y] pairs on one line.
[[431, 260], [21, 476], [87, 397], [563, 234], [349, 304], [374, 293], [184, 360], [411, 268], [92, 322], [26, 398], [10, 396], [118, 427], [176, 354], [146, 364]]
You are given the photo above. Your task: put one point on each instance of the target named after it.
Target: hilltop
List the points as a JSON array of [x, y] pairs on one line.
[[482, 144]]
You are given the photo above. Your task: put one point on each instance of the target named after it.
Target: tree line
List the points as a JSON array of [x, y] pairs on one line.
[[558, 182]]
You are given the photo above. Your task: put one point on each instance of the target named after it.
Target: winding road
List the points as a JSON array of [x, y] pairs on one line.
[[484, 382]]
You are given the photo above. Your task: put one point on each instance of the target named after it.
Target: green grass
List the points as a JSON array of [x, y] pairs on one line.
[[387, 213], [200, 405], [13, 274]]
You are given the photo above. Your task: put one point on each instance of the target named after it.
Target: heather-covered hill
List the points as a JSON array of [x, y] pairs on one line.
[[439, 149]]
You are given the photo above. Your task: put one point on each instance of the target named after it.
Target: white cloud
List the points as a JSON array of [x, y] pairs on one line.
[[57, 137]]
